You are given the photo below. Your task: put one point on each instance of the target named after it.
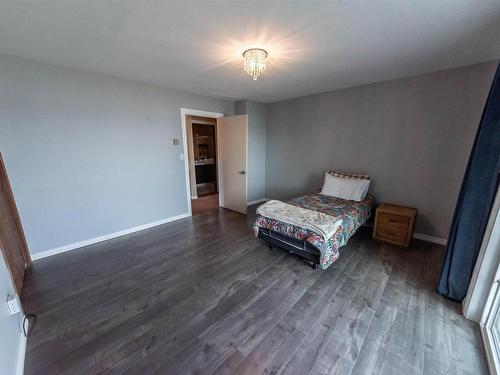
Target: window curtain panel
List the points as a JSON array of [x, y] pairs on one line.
[[474, 204]]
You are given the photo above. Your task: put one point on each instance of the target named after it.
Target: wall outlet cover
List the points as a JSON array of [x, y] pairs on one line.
[[13, 305]]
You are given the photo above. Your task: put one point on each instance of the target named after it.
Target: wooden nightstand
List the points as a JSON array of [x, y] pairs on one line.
[[394, 224]]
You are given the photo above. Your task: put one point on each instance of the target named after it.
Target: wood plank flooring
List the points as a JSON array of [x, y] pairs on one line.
[[203, 296], [203, 203]]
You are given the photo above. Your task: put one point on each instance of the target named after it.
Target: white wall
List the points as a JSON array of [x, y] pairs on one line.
[[10, 325], [89, 154]]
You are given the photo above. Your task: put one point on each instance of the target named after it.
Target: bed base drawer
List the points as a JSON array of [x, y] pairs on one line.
[[301, 248]]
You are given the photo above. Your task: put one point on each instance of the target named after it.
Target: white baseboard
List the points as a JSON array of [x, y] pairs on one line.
[[257, 201], [432, 239], [91, 241], [21, 354]]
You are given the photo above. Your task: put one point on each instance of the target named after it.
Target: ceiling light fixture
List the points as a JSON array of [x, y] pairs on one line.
[[255, 62]]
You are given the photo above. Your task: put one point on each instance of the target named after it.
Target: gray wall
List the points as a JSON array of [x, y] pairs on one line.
[[10, 326], [412, 135], [89, 154], [256, 146]]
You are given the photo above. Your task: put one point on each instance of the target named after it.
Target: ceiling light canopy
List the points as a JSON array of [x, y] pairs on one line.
[[254, 62]]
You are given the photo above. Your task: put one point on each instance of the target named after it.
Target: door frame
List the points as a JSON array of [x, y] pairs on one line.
[[25, 253], [490, 314], [484, 270], [195, 112]]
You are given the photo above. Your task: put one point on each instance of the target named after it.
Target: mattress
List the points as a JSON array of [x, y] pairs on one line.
[[350, 214]]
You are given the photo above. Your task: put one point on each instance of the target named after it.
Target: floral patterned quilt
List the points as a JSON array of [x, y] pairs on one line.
[[353, 215]]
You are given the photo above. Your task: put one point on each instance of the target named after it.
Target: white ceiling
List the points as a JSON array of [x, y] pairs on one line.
[[196, 46]]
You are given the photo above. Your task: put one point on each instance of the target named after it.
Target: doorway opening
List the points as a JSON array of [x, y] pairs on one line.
[[203, 166], [229, 161]]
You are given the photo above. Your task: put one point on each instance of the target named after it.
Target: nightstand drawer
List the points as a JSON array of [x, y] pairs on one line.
[[393, 220], [392, 234]]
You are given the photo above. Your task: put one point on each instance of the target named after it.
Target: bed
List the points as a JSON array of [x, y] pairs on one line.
[[314, 226]]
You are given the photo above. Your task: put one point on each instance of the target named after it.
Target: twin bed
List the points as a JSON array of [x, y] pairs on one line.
[[315, 226]]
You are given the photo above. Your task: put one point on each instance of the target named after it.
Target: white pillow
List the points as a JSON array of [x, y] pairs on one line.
[[345, 188]]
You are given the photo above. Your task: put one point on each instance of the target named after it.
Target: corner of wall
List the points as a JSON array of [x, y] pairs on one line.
[[256, 146], [240, 107]]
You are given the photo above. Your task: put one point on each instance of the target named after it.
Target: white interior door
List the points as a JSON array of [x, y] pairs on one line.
[[232, 146]]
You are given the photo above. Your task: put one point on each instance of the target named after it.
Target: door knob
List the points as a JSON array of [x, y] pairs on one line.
[[242, 172]]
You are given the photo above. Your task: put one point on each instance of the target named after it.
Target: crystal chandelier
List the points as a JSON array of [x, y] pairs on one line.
[[255, 62]]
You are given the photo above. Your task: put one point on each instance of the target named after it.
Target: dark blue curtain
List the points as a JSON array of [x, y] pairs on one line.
[[476, 197]]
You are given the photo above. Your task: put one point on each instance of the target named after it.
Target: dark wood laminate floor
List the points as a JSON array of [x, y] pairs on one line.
[[207, 202], [203, 296]]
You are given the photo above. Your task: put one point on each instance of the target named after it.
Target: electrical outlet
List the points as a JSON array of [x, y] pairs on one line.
[[13, 305]]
